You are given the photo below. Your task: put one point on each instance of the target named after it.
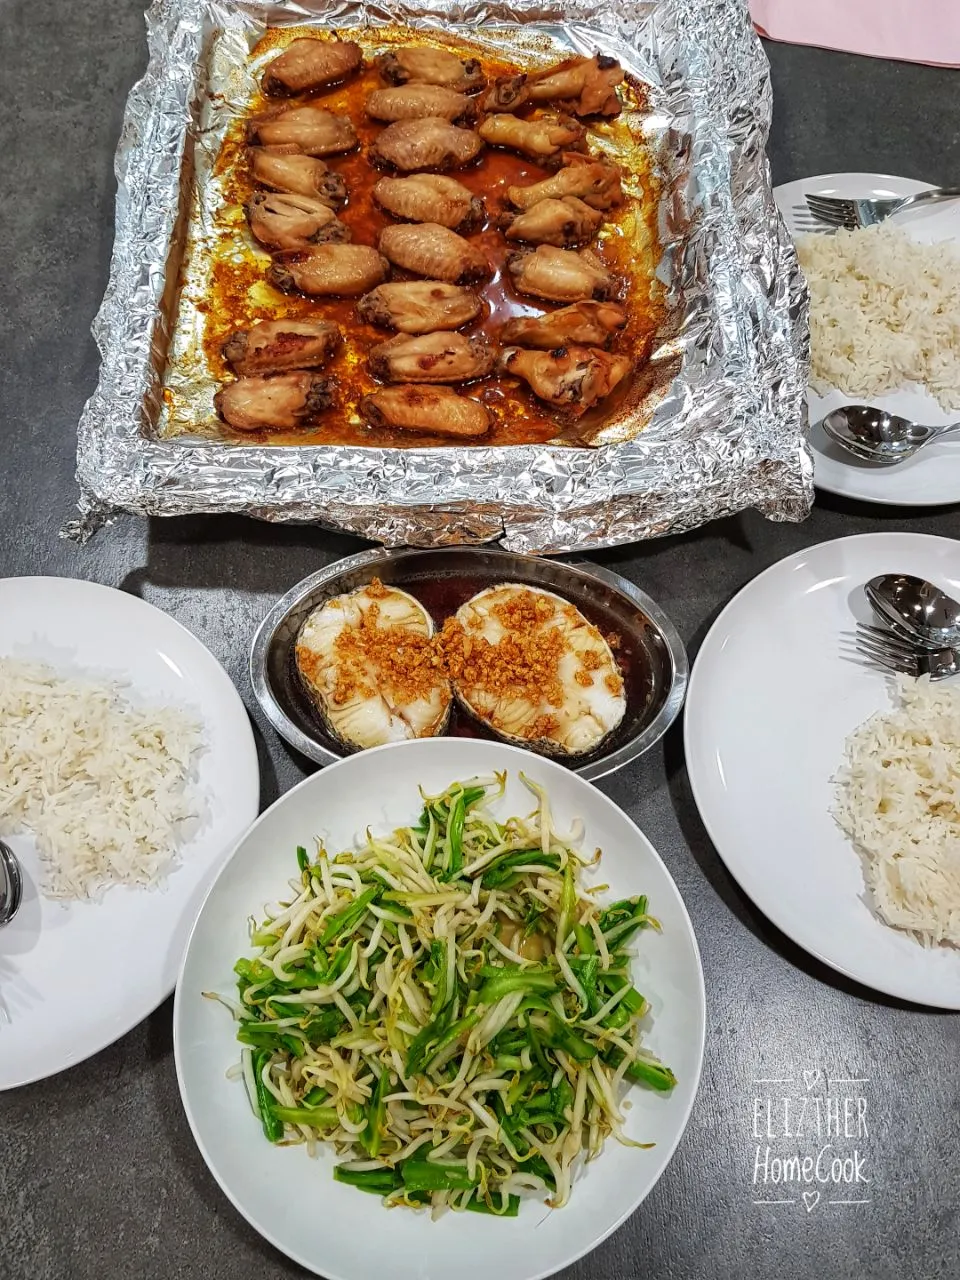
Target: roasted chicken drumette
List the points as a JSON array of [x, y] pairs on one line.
[[542, 138], [287, 170], [588, 324], [293, 222], [280, 403], [432, 357], [428, 249], [437, 411], [593, 179], [565, 223], [570, 378], [311, 64], [430, 197], [275, 346], [582, 86], [311, 130], [417, 101], [419, 306], [560, 275], [330, 271], [428, 143], [431, 66]]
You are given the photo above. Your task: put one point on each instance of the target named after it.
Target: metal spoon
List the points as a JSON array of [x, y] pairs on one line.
[[11, 884], [877, 436], [916, 607]]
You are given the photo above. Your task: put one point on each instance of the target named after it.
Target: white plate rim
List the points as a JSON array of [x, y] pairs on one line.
[[701, 1011], [769, 910], [248, 748]]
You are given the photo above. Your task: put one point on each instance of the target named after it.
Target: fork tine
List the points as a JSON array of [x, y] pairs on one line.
[[833, 218], [905, 663], [886, 639], [834, 213], [830, 203]]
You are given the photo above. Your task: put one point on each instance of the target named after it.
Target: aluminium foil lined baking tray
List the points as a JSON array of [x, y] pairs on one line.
[[723, 435]]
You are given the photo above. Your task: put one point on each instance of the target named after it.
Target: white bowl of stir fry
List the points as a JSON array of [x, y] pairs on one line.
[[442, 1011]]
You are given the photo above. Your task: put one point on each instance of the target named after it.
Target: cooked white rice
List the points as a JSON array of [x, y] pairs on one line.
[[898, 799], [884, 311], [103, 785]]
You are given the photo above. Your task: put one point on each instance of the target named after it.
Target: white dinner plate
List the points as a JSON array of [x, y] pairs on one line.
[[932, 477], [774, 693], [76, 976], [335, 1230]]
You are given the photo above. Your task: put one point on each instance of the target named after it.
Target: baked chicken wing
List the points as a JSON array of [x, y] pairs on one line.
[[431, 66], [289, 400], [561, 275], [541, 138], [274, 346], [415, 101], [566, 223], [428, 143], [419, 306], [571, 378], [294, 222], [427, 249], [432, 357], [430, 197], [585, 86], [311, 64], [330, 271], [588, 324], [312, 130], [436, 411], [593, 179], [294, 173]]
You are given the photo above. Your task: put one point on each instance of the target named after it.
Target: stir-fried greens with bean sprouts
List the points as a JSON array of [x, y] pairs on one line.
[[448, 1008]]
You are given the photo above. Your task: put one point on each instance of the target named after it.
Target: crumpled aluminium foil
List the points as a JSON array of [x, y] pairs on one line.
[[726, 436]]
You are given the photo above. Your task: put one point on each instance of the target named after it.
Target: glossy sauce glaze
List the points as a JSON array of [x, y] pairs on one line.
[[239, 294]]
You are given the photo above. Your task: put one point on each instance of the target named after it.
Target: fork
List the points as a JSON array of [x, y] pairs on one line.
[[835, 212], [887, 650]]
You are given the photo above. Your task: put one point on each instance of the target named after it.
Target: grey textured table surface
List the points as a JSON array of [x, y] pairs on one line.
[[98, 1172]]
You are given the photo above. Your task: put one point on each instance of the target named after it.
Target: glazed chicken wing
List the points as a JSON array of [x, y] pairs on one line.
[[593, 179], [427, 249], [540, 139], [296, 174], [311, 64], [284, 402], [589, 324], [330, 271], [438, 411], [566, 223], [560, 275], [294, 222], [430, 66], [429, 143], [273, 346], [415, 101], [312, 130], [571, 378], [419, 306], [585, 86], [430, 197], [432, 357]]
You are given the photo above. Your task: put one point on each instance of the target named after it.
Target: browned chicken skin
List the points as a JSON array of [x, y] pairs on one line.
[[311, 64], [428, 143], [287, 401], [582, 86], [560, 275], [311, 129], [541, 138], [427, 249], [430, 66], [430, 197], [296, 174], [432, 357], [293, 222], [330, 271], [566, 223], [415, 101], [274, 346], [437, 411], [588, 324], [506, 93], [593, 179], [419, 306], [571, 378]]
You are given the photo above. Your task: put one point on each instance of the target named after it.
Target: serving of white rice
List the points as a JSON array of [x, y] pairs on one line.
[[103, 785], [898, 800], [884, 311]]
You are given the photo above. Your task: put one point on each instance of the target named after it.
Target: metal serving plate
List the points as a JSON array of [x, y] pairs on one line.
[[652, 656]]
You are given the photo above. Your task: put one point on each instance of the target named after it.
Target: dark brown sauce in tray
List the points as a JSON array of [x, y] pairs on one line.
[[442, 595]]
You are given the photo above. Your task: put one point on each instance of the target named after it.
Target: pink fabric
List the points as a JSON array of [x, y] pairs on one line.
[[910, 30]]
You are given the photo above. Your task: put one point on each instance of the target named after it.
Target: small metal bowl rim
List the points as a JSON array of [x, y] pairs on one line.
[[648, 737]]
